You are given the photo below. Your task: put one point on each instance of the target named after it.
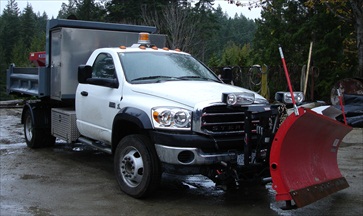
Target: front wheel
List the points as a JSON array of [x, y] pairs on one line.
[[137, 167]]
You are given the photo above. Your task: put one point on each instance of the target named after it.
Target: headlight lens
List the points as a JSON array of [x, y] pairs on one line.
[[239, 98], [171, 118], [285, 97], [261, 101]]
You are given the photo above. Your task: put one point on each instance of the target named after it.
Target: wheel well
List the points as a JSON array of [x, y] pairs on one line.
[[123, 128], [40, 114], [25, 109], [128, 121]]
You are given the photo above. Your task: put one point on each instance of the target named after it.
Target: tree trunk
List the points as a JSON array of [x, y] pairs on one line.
[[358, 14], [360, 46]]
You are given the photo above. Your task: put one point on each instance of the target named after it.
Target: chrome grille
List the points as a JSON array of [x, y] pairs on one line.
[[220, 119]]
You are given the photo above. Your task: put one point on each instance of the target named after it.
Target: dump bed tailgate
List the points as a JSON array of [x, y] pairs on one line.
[[28, 81]]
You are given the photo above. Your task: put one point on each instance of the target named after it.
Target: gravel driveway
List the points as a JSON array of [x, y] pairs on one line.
[[74, 180]]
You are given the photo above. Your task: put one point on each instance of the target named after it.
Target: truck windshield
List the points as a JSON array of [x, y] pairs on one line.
[[146, 67]]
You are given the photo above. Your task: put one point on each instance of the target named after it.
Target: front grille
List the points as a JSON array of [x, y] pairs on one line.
[[221, 119]]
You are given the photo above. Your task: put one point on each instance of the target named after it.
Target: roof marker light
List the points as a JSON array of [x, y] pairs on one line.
[[122, 47], [143, 38]]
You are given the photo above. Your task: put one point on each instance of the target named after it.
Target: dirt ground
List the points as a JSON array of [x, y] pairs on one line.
[[75, 180]]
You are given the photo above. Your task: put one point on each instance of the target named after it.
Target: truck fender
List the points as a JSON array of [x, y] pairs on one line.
[[136, 120], [40, 115]]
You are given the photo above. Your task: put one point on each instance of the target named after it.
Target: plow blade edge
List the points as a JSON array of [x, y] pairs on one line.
[[303, 160]]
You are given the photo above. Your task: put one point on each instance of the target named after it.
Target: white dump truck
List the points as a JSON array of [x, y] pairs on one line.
[[118, 89]]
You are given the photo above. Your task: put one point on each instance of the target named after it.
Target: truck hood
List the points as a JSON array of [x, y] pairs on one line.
[[189, 93]]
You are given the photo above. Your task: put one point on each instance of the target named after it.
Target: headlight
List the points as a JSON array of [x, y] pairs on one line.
[[261, 101], [285, 97], [171, 118], [239, 98]]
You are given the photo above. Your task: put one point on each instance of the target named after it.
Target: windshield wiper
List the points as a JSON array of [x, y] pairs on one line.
[[195, 77], [189, 77], [152, 77]]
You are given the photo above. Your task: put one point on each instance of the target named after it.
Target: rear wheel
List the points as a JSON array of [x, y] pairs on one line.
[[36, 137], [137, 167]]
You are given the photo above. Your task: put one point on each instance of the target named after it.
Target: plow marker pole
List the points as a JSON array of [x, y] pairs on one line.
[[288, 81]]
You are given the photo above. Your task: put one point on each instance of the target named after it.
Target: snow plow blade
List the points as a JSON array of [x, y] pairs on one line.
[[303, 159]]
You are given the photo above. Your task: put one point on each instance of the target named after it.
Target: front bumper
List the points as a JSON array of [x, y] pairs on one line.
[[195, 149], [191, 156]]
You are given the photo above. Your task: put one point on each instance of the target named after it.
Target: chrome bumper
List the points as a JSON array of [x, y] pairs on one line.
[[174, 155]]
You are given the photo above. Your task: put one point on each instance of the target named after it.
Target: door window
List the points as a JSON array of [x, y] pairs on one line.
[[104, 67]]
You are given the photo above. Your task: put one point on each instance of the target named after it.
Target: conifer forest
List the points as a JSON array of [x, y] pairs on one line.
[[334, 27]]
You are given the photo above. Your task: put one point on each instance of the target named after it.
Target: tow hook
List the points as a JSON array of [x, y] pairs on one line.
[[266, 180], [228, 178]]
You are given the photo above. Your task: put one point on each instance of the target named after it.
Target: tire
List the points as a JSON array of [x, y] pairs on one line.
[[137, 166], [36, 137]]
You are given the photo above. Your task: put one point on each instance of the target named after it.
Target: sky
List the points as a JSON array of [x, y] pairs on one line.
[[51, 7]]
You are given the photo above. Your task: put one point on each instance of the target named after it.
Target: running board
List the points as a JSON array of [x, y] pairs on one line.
[[96, 144]]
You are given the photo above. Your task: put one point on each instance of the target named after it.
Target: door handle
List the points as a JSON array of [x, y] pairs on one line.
[[84, 93]]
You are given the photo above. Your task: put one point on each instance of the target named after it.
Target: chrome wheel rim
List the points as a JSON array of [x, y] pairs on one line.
[[28, 128], [132, 167]]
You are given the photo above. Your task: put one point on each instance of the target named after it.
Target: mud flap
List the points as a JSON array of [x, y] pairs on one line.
[[303, 159]]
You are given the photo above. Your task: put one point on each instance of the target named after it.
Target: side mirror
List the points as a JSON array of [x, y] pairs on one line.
[[84, 72], [227, 75]]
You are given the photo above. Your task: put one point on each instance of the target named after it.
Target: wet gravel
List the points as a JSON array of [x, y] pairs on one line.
[[76, 180]]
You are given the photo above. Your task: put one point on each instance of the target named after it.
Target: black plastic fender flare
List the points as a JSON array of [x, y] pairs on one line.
[[129, 114]]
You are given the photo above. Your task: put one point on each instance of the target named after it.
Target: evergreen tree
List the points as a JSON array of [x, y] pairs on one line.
[[20, 54], [2, 24], [206, 31], [236, 55], [20, 33], [238, 31], [90, 10], [28, 25], [350, 12], [41, 23], [68, 9], [125, 11], [293, 25], [10, 29], [38, 43], [3, 66], [83, 10]]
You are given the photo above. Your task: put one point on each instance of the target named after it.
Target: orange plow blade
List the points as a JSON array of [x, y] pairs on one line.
[[303, 159]]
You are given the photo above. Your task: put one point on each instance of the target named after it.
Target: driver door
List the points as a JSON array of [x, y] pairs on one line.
[[96, 102]]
